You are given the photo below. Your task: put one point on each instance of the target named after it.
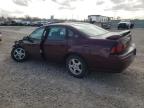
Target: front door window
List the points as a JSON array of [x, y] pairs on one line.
[[37, 34]]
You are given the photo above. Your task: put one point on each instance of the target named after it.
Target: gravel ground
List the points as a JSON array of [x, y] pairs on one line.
[[38, 84]]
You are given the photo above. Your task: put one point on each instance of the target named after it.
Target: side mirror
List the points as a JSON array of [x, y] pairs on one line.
[[25, 38], [28, 38]]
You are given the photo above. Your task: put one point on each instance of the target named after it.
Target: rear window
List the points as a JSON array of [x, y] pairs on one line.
[[90, 29]]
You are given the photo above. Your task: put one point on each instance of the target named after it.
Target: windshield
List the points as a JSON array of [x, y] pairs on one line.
[[90, 29]]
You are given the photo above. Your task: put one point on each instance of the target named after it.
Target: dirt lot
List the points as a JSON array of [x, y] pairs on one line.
[[37, 84]]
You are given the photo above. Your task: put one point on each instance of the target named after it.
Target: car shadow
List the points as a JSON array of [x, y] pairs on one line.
[[109, 78], [59, 72]]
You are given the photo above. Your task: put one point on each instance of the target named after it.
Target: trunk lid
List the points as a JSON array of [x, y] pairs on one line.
[[123, 38]]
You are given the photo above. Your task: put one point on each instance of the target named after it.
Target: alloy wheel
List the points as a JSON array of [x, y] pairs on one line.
[[75, 66], [19, 53]]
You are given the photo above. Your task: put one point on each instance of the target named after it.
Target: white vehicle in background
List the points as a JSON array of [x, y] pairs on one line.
[[125, 24], [99, 20]]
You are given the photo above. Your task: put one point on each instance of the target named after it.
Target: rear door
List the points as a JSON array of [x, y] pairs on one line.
[[33, 45], [55, 45]]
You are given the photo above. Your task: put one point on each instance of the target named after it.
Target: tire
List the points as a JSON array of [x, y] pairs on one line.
[[76, 66], [19, 54]]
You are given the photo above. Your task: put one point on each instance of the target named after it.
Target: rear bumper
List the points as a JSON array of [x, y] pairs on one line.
[[117, 63], [121, 62]]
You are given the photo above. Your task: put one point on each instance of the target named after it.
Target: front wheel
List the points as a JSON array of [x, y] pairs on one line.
[[19, 54], [76, 66]]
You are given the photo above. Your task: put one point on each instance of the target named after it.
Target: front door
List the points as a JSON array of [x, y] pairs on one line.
[[55, 45], [33, 44]]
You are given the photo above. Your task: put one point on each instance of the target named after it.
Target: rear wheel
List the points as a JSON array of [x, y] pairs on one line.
[[19, 54], [76, 66]]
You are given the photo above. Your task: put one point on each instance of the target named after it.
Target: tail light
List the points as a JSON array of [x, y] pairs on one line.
[[118, 48]]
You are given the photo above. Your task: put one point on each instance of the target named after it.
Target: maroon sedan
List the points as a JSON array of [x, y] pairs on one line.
[[82, 46]]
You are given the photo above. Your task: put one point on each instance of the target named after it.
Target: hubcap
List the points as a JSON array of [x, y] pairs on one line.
[[19, 53], [75, 66]]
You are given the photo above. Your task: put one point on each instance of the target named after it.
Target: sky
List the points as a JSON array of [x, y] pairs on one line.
[[72, 9]]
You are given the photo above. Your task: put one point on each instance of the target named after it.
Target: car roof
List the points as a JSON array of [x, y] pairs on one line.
[[66, 24]]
